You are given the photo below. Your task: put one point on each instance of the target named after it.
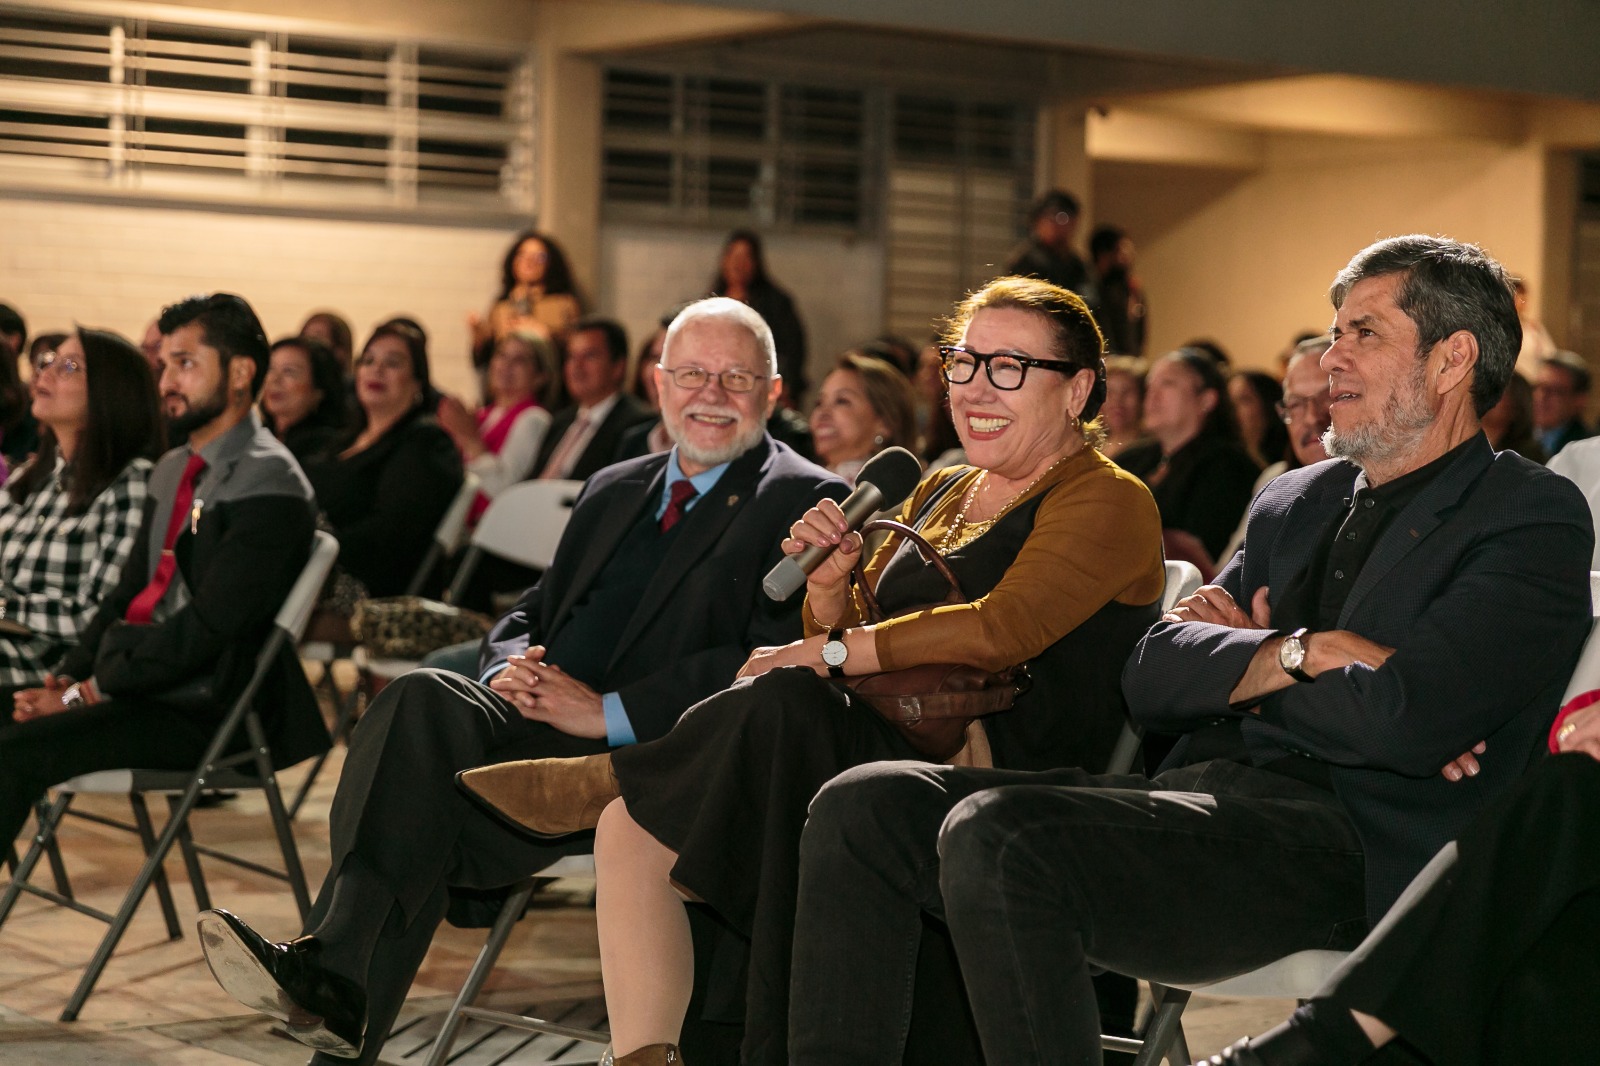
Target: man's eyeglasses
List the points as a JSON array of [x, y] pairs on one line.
[[63, 366], [1302, 406], [694, 377], [1006, 372]]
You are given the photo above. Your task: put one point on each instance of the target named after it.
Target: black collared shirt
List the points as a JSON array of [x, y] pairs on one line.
[[1316, 597]]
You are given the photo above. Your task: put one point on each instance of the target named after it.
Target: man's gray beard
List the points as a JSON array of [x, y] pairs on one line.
[[715, 456], [1405, 418]]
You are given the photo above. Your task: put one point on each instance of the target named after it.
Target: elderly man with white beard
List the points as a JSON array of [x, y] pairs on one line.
[[651, 603]]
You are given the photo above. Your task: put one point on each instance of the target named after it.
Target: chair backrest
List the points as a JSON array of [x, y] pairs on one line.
[[447, 534], [302, 599], [524, 524], [1182, 579], [1586, 675]]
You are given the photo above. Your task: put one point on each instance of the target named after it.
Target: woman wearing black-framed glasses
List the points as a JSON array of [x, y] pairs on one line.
[[1059, 554]]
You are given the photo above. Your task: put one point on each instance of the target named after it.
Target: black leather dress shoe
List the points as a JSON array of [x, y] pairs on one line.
[[322, 1009]]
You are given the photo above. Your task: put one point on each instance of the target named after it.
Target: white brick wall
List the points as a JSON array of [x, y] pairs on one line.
[[115, 266]]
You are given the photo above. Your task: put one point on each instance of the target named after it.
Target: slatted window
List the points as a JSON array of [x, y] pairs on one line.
[[958, 183], [698, 149], [94, 102]]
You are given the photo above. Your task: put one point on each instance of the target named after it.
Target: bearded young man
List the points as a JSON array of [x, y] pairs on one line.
[[651, 603]]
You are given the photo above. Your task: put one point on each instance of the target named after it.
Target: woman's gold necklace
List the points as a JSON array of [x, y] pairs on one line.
[[959, 534]]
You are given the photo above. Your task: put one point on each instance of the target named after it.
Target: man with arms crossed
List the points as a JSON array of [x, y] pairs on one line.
[[651, 603], [1391, 610]]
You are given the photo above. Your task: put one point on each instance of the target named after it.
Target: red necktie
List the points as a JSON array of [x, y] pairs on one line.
[[682, 492], [144, 604]]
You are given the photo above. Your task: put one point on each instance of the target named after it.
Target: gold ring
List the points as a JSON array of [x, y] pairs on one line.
[[1566, 731]]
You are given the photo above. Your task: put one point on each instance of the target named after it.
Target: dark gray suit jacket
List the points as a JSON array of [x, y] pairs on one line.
[[704, 610], [1480, 585]]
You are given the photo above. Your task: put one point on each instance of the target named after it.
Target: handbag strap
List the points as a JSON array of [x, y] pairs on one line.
[[928, 552]]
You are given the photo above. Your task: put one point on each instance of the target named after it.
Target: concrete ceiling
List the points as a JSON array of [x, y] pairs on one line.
[[1540, 47]]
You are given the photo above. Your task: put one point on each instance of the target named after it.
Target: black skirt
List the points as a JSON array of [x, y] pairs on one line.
[[728, 790]]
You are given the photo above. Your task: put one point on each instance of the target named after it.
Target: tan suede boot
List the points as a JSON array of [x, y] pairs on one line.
[[649, 1055], [546, 797]]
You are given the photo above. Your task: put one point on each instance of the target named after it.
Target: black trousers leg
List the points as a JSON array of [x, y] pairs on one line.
[[1436, 969], [1040, 882], [42, 752], [398, 810]]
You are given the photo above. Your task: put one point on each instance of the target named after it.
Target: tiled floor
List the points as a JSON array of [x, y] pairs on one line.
[[156, 1002]]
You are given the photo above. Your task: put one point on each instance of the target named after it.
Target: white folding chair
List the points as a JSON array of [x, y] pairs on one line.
[[1182, 579], [251, 768], [1297, 976]]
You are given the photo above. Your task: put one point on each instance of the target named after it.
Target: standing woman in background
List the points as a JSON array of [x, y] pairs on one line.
[[742, 274], [69, 518], [536, 293]]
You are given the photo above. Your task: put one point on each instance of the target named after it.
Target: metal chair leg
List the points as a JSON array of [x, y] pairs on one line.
[[1165, 1025], [510, 913], [147, 838], [342, 724], [48, 818], [191, 860]]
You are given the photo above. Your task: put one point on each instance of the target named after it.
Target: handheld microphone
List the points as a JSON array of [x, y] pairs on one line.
[[885, 481]]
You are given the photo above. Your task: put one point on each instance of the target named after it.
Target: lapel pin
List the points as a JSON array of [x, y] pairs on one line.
[[733, 500]]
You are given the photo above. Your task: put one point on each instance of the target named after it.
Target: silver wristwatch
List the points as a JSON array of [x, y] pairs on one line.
[[1292, 655], [835, 652]]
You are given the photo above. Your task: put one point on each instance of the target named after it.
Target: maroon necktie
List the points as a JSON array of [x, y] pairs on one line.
[[144, 604], [682, 492]]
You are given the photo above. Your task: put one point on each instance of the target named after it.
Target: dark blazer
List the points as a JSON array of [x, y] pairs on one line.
[[238, 564], [704, 611], [1481, 586], [602, 448], [1205, 491], [1573, 430], [384, 503]]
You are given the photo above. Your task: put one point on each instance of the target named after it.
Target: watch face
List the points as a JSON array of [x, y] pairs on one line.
[[1292, 653], [834, 652]]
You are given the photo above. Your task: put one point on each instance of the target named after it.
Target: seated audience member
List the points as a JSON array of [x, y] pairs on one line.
[[938, 444], [302, 402], [334, 332], [19, 430], [1124, 411], [226, 531], [1061, 553], [150, 347], [537, 294], [1560, 396], [1492, 954], [864, 406], [650, 436], [1255, 397], [1199, 473], [501, 441], [13, 333], [1509, 423], [68, 518], [742, 275], [648, 607], [394, 472], [585, 436], [1343, 659], [1579, 462], [1304, 411]]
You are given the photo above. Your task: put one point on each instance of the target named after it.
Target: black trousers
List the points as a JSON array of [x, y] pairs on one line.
[[41, 752], [1492, 955], [1203, 872], [398, 811]]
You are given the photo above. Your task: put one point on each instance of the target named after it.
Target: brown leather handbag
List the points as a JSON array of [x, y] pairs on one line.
[[931, 704]]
